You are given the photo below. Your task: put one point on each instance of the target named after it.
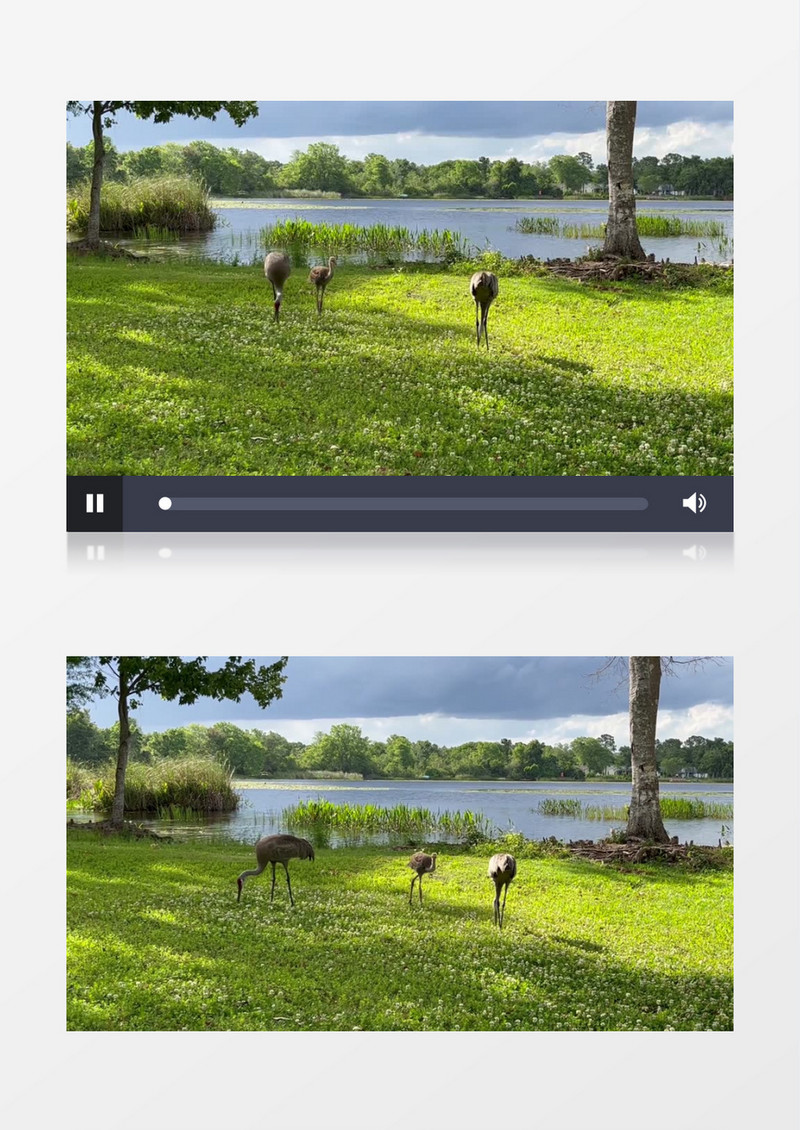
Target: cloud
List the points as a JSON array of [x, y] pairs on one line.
[[429, 131]]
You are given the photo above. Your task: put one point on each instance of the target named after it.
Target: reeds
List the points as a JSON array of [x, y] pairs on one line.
[[376, 238], [471, 826], [163, 204], [672, 808], [647, 225], [192, 784]]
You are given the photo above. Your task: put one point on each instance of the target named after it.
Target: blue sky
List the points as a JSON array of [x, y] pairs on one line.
[[454, 699], [428, 132]]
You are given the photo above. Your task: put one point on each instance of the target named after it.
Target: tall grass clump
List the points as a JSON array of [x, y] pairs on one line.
[[190, 783], [80, 779], [538, 225], [322, 813], [646, 224], [175, 204], [552, 807], [672, 808], [376, 238]]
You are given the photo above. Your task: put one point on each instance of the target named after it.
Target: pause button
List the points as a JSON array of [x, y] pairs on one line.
[[94, 504]]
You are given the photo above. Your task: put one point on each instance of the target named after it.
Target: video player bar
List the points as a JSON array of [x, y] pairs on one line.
[[240, 504]]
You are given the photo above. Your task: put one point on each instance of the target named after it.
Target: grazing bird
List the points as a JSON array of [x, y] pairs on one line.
[[422, 864], [277, 268], [502, 869], [320, 277], [483, 288], [277, 849]]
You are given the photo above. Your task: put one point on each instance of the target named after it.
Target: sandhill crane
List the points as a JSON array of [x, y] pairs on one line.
[[320, 277], [483, 288], [502, 869], [277, 268], [422, 864], [277, 849]]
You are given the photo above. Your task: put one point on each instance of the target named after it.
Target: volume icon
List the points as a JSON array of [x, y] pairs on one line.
[[695, 502]]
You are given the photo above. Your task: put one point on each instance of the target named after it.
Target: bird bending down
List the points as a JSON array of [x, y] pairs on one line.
[[422, 864], [483, 287], [277, 268], [320, 277], [502, 869], [277, 849]]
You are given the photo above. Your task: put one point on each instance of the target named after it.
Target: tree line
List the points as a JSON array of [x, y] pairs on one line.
[[345, 749], [323, 168]]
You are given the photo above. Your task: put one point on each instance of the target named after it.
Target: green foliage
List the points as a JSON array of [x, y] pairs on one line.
[[377, 238], [174, 369], [185, 680], [79, 779], [672, 808], [646, 224], [199, 785], [143, 205], [323, 170], [469, 826], [156, 941]]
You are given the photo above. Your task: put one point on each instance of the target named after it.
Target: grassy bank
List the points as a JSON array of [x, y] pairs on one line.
[[147, 207], [187, 784], [156, 940], [179, 369]]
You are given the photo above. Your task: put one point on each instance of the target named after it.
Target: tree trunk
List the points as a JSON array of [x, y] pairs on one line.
[[118, 807], [644, 816], [93, 230], [622, 237]]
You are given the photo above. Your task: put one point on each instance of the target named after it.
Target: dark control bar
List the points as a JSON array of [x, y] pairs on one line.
[[413, 503], [317, 503]]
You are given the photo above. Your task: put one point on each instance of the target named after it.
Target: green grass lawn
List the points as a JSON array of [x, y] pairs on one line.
[[179, 368], [156, 941]]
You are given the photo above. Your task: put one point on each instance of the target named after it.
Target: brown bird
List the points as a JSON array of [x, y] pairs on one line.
[[422, 864], [483, 288], [277, 268], [502, 869], [320, 277], [277, 849]]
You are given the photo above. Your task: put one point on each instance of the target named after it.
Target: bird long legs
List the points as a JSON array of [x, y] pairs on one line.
[[288, 883], [499, 911], [411, 892], [481, 325]]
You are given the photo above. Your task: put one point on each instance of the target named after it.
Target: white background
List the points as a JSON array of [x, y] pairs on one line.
[[402, 594]]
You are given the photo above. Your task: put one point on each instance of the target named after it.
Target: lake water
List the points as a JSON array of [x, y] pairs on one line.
[[485, 223], [509, 805]]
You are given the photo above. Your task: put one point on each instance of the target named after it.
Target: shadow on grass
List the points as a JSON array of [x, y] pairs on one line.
[[166, 405]]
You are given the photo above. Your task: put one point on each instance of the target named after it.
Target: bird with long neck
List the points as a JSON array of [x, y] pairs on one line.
[[421, 864], [276, 849], [484, 288], [320, 277], [277, 268], [502, 869]]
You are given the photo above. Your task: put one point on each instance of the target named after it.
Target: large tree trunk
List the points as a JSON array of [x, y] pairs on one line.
[[118, 807], [93, 230], [622, 237], [644, 816]]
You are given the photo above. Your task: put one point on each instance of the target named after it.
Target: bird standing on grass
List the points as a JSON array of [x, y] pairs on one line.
[[502, 869], [277, 268], [483, 287], [422, 864], [277, 849], [320, 277]]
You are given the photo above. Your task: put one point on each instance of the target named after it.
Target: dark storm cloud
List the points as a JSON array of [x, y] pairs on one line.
[[445, 119], [482, 687]]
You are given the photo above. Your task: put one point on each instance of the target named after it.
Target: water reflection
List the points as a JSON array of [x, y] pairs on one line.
[[509, 805], [487, 225]]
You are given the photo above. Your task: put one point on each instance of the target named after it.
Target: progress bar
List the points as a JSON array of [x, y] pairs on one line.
[[414, 503]]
